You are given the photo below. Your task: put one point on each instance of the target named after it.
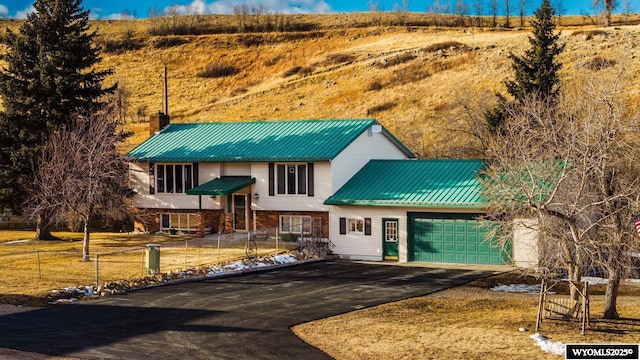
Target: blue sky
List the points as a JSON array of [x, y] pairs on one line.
[[140, 8]]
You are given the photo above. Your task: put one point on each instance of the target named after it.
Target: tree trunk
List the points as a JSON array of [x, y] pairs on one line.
[[43, 229], [611, 296], [607, 12], [575, 276], [85, 242]]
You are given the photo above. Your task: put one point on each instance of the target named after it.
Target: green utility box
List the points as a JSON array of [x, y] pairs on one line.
[[152, 259]]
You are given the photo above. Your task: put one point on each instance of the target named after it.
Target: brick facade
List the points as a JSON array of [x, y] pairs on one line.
[[149, 220], [271, 219]]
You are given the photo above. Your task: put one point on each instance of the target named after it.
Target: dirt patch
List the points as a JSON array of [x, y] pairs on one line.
[[464, 322]]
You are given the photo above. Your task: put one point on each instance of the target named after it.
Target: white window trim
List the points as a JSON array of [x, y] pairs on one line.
[[286, 179], [301, 218], [164, 187], [191, 225], [359, 223]]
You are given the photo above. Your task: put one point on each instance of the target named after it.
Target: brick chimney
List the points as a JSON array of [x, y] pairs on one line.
[[157, 122]]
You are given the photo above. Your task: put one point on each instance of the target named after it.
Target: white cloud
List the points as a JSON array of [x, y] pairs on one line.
[[22, 14], [272, 6], [4, 11]]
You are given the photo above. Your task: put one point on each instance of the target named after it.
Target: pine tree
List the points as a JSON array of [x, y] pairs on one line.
[[49, 77], [536, 72]]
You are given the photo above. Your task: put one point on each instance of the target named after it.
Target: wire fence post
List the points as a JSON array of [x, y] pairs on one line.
[[218, 248], [39, 269], [186, 246], [97, 267]]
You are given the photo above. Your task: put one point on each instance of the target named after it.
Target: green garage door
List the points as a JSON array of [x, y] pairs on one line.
[[451, 238]]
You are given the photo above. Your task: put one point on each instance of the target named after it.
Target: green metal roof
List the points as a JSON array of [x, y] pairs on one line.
[[223, 185], [415, 183], [301, 140]]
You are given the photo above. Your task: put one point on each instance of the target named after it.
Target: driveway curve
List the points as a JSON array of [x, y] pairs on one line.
[[237, 317]]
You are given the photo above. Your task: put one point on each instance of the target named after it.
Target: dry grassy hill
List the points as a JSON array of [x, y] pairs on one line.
[[413, 78]]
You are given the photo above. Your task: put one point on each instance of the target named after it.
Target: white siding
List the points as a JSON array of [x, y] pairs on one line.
[[208, 172], [139, 178], [279, 202], [367, 146], [365, 247], [236, 169], [525, 243]]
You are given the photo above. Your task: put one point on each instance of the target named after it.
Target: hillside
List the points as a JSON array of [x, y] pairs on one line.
[[413, 79]]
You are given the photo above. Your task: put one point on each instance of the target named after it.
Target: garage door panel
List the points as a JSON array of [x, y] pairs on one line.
[[452, 238]]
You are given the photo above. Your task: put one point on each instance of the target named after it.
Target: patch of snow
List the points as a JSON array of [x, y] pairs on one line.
[[517, 288], [62, 301], [554, 347], [283, 259]]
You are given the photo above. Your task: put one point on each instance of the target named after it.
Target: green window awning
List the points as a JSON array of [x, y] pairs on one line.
[[223, 185]]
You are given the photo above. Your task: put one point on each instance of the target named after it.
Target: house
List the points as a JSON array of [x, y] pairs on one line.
[[241, 176], [351, 181], [420, 210]]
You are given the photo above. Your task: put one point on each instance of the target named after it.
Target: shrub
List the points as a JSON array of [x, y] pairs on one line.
[[409, 74], [374, 85], [599, 63], [239, 91], [302, 70], [167, 42], [218, 71], [589, 34], [395, 60], [339, 59], [119, 46], [294, 70], [288, 237], [447, 45], [382, 107]]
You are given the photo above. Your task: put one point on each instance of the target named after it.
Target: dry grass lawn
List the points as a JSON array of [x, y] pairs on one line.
[[30, 269], [467, 322]]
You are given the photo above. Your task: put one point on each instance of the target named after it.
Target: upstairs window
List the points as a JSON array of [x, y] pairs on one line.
[[173, 178], [291, 179]]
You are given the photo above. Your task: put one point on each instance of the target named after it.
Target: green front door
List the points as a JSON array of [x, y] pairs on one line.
[[390, 239], [452, 238]]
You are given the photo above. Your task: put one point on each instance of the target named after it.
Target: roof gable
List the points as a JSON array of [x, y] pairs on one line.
[[418, 183], [302, 140]]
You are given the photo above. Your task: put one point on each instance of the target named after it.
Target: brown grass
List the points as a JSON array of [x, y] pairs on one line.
[[463, 323], [34, 267]]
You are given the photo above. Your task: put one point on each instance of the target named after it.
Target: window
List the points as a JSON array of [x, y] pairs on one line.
[[173, 178], [295, 224], [178, 221], [355, 226], [291, 179]]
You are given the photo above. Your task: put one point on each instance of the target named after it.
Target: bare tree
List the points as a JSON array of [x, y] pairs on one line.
[[522, 11], [173, 12], [461, 10], [559, 7], [241, 13], [121, 100], [402, 11], [572, 166], [507, 13], [493, 10], [609, 7], [478, 7], [626, 10], [82, 174], [374, 9]]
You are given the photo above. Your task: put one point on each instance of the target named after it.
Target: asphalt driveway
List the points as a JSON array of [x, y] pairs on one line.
[[240, 317]]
